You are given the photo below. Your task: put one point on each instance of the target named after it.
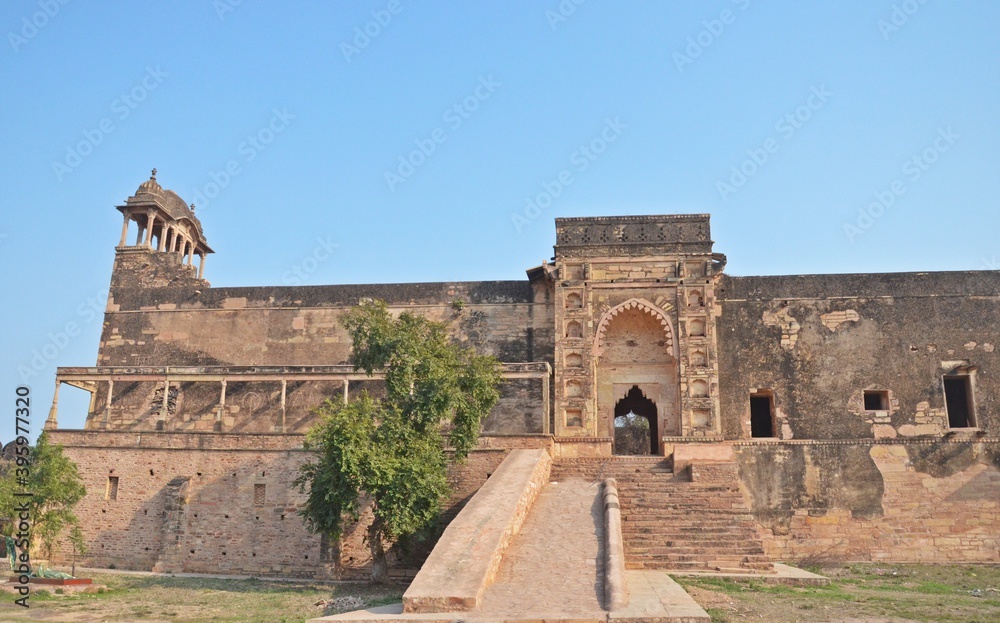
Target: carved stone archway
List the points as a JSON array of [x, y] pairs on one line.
[[635, 346], [640, 304]]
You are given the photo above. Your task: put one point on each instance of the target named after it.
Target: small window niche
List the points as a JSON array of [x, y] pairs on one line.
[[574, 418], [111, 493], [762, 414], [876, 400], [958, 400], [259, 494]]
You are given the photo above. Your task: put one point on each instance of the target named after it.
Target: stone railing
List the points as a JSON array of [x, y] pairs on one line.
[[615, 586], [100, 382]]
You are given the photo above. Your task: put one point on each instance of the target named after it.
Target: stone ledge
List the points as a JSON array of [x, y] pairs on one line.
[[466, 558]]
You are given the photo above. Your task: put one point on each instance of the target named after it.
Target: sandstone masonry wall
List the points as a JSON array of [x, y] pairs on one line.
[[818, 341], [226, 521], [920, 501]]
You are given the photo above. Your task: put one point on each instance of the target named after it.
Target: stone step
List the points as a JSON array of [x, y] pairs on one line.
[[682, 517], [659, 540], [683, 511], [670, 522], [674, 492], [682, 505], [700, 565], [707, 562], [666, 522], [692, 553]]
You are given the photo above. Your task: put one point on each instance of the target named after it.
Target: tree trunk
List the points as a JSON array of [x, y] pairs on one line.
[[380, 567]]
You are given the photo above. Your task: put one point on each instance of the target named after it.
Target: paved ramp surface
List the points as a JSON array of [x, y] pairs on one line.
[[555, 566]]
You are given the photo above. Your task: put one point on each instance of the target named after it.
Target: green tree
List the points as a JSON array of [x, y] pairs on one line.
[[56, 487], [392, 452]]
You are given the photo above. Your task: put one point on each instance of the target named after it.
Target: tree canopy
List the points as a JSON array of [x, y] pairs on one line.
[[56, 487], [392, 451]]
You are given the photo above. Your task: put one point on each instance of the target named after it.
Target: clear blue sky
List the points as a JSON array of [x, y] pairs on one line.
[[839, 103]]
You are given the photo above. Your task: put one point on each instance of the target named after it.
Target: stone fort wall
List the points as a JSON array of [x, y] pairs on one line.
[[224, 503], [159, 316], [206, 486], [893, 484]]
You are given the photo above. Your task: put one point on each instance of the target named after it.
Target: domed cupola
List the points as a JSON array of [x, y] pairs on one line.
[[164, 223]]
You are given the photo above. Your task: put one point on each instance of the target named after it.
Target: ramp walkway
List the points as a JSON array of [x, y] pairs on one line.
[[544, 543], [555, 566]]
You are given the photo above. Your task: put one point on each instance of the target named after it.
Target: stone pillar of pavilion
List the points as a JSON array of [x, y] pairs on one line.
[[167, 234]]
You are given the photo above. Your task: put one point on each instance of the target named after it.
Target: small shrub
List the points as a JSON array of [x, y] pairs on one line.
[[827, 558], [343, 604]]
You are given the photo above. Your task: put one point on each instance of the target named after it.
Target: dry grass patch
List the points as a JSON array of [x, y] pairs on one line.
[[156, 599], [861, 593]]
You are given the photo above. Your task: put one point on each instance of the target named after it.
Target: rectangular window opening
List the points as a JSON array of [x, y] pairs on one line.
[[259, 494], [761, 415], [958, 401], [112, 491], [876, 400]]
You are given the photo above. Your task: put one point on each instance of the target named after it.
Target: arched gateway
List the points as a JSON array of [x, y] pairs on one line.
[[636, 354]]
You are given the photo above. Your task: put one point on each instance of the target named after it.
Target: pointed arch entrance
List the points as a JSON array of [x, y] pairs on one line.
[[636, 355], [636, 424]]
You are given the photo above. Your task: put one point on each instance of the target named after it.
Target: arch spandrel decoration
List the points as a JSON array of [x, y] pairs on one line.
[[641, 305]]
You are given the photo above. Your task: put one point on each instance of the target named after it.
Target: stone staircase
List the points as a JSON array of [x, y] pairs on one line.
[[671, 522]]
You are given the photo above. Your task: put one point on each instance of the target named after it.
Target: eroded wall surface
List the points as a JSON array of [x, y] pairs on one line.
[[909, 501], [890, 484], [818, 341]]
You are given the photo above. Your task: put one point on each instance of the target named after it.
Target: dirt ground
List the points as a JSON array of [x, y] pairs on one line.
[[860, 594], [165, 599]]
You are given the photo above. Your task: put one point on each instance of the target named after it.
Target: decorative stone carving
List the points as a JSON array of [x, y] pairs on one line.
[[644, 306]]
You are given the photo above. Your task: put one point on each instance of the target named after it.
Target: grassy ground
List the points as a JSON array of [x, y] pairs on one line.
[[860, 594], [149, 599]]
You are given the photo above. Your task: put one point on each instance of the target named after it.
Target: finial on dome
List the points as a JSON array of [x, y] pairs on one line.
[[153, 176], [192, 207]]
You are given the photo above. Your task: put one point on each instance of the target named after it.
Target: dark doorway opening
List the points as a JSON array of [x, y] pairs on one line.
[[636, 430], [761, 415], [876, 400], [958, 400]]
